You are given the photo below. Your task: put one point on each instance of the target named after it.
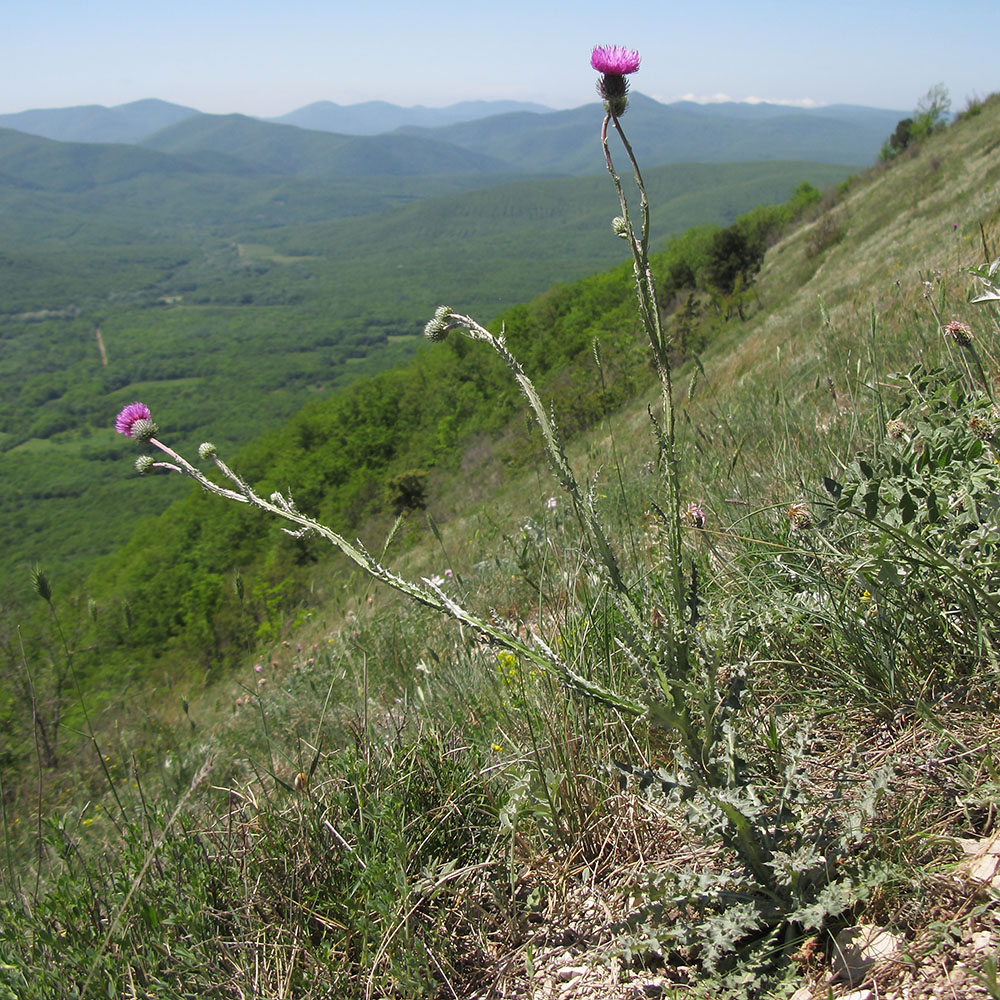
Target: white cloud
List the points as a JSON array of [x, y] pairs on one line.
[[799, 102]]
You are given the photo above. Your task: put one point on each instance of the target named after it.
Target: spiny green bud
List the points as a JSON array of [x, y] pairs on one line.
[[143, 430], [437, 328], [40, 584], [620, 227], [144, 464], [206, 450], [981, 427]]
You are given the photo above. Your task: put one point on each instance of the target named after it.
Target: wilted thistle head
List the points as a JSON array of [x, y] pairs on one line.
[[614, 62], [959, 332], [135, 421], [695, 516], [437, 328], [40, 584], [895, 429], [799, 516]]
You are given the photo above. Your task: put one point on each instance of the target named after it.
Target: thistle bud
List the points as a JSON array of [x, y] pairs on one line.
[[981, 427], [144, 464], [143, 430], [437, 328], [620, 227], [206, 450]]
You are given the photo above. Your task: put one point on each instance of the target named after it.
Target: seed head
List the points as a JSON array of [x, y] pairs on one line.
[[40, 584]]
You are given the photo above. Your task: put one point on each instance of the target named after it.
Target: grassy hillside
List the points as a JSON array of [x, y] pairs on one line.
[[702, 759]]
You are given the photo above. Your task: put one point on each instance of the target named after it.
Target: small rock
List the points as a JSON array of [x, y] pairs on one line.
[[957, 975], [802, 993], [984, 868], [987, 845], [857, 949], [568, 972], [982, 941]]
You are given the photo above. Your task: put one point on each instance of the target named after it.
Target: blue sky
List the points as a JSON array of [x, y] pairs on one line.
[[266, 59]]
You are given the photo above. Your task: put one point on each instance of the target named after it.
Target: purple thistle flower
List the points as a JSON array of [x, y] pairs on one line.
[[132, 413], [615, 60]]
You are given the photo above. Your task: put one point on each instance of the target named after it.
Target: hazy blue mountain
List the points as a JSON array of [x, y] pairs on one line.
[[373, 117], [473, 137], [96, 123], [684, 132], [291, 151]]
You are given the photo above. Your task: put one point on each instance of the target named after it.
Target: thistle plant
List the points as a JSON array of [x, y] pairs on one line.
[[678, 676]]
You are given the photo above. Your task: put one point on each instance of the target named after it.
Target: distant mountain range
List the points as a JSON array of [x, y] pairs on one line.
[[470, 138], [141, 119], [96, 123], [374, 117]]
